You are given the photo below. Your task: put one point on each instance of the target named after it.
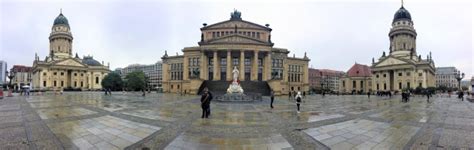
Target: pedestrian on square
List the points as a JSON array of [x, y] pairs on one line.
[[205, 104], [298, 101], [272, 96], [105, 90], [461, 95], [304, 94], [368, 95], [428, 95], [289, 96], [210, 99]]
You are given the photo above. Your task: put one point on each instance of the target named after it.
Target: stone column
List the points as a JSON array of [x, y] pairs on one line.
[[305, 77], [203, 66], [216, 67], [229, 66], [268, 67], [185, 67], [242, 65], [254, 72]]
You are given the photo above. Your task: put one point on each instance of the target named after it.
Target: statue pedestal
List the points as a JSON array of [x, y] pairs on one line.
[[235, 88]]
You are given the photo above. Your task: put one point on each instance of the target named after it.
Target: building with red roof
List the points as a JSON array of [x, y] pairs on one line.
[[358, 79], [22, 76], [328, 79]]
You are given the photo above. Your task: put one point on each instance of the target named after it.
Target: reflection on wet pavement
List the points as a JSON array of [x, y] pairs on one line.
[[105, 132], [186, 141], [91, 120], [56, 113], [363, 134]]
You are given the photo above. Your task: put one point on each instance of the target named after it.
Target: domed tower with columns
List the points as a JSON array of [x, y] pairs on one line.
[[402, 68], [402, 35], [60, 70], [60, 39]]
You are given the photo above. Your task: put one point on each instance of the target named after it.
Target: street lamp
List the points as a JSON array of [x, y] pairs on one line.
[[459, 76]]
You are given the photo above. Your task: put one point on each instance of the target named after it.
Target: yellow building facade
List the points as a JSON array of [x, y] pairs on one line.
[[235, 43], [60, 69], [402, 68]]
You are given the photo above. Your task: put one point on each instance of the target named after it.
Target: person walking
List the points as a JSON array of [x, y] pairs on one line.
[[210, 99], [205, 104], [428, 95], [368, 95], [289, 96], [461, 95], [272, 96], [298, 101]]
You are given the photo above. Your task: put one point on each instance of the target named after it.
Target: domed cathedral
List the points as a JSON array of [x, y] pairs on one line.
[[402, 68], [60, 70], [240, 44]]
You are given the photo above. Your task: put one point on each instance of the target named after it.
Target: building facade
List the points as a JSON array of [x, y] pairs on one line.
[[402, 67], [324, 79], [3, 72], [358, 80], [60, 69], [235, 43], [153, 72], [314, 79], [446, 76], [21, 76]]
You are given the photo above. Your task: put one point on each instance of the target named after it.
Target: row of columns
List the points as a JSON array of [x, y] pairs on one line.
[[266, 73]]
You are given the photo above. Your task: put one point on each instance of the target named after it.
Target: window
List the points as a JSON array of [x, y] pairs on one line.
[[44, 83], [82, 74], [62, 83], [54, 83], [400, 74], [420, 85], [408, 84], [343, 83], [408, 74], [361, 85], [376, 76], [62, 73], [75, 83], [354, 84], [420, 74], [96, 80], [400, 85], [55, 73], [75, 74], [82, 84], [385, 86], [258, 35], [378, 86], [384, 75]]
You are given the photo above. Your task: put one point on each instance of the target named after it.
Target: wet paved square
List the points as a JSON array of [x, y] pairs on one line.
[[105, 132], [91, 120]]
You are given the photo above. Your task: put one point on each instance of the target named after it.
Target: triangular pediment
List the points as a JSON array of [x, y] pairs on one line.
[[236, 23], [389, 61], [236, 39], [70, 62]]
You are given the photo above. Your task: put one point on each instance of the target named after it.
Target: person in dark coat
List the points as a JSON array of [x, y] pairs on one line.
[[368, 95], [205, 104], [210, 99], [272, 96]]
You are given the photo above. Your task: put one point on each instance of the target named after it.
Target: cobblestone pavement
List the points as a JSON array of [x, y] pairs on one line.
[[91, 120]]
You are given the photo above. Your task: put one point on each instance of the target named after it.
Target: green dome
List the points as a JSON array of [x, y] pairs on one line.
[[61, 20]]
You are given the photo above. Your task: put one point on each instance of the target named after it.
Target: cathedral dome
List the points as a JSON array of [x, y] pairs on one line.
[[61, 20], [91, 61], [402, 14]]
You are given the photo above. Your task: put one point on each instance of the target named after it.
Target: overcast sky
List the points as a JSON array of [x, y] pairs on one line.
[[335, 34]]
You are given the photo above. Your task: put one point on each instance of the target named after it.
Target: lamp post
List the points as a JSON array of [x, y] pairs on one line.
[[459, 76]]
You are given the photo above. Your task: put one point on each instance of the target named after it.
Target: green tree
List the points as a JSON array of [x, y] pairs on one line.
[[112, 81], [136, 81]]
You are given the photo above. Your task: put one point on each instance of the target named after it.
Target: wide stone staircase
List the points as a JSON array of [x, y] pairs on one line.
[[250, 87]]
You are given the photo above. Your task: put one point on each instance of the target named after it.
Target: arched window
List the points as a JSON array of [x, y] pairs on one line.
[[96, 80]]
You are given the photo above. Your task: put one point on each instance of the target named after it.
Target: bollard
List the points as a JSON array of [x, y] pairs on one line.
[[1, 93], [10, 93]]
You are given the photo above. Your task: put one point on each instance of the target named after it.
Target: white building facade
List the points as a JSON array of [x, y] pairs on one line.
[[446, 76], [153, 72]]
